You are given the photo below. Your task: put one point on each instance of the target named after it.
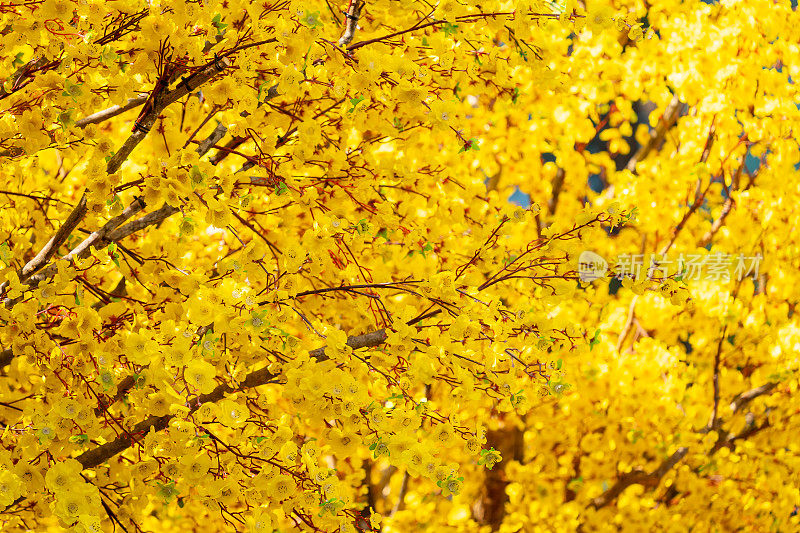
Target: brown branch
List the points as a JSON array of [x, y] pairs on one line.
[[79, 212], [741, 400], [111, 112], [160, 104], [699, 196], [713, 423], [234, 143], [668, 119], [84, 248], [99, 455], [52, 246], [639, 477], [558, 184], [226, 150], [416, 26], [628, 323], [117, 292], [218, 133], [158, 216], [401, 494], [154, 217], [727, 207], [352, 15], [729, 440], [22, 72], [5, 357]]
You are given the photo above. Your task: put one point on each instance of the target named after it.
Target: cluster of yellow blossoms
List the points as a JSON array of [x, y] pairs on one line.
[[302, 266]]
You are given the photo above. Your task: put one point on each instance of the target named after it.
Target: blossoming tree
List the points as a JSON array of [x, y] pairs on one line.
[[260, 270]]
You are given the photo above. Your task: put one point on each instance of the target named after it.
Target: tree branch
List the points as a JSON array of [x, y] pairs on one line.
[[102, 116], [668, 119], [161, 103], [741, 400], [713, 423], [102, 453], [154, 217], [52, 246], [352, 15], [639, 477], [84, 248]]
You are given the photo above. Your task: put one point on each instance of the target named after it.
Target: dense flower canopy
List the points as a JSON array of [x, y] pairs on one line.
[[395, 266]]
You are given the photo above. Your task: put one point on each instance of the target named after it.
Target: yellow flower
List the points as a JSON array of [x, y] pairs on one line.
[[337, 347], [81, 499], [140, 348], [343, 444], [414, 458], [30, 475], [158, 404], [44, 429], [490, 458], [599, 17], [636, 33], [281, 488], [443, 434], [442, 114], [90, 524], [195, 467], [62, 476], [15, 287], [67, 408], [260, 521], [10, 487], [200, 375], [201, 312], [233, 414], [472, 446]]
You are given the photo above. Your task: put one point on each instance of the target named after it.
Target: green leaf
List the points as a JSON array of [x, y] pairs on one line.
[[83, 438], [5, 253], [354, 102], [595, 340], [471, 144], [217, 22], [281, 188], [65, 119], [312, 20], [261, 88], [108, 55], [450, 29]]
